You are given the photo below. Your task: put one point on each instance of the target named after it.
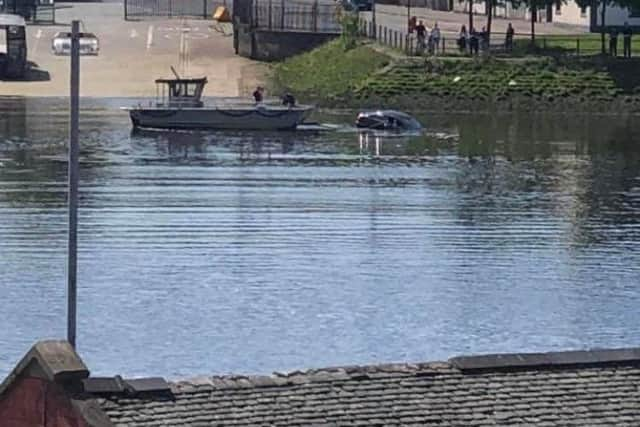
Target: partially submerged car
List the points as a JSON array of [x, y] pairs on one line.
[[387, 120], [61, 44]]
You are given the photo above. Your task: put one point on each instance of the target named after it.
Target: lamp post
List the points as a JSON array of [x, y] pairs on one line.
[[73, 169]]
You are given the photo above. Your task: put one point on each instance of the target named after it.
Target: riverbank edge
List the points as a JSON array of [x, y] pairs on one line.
[[352, 98]]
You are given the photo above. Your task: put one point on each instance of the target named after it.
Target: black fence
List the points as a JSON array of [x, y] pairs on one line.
[[141, 9], [289, 16], [448, 44]]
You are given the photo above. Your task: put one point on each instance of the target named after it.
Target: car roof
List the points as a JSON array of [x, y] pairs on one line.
[[68, 35]]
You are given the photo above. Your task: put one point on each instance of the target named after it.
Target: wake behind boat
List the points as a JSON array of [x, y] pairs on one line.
[[179, 106]]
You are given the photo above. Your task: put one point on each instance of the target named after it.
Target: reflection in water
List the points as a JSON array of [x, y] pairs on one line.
[[295, 249]]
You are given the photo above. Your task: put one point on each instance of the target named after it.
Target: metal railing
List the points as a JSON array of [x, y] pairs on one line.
[[549, 45], [140, 9], [289, 16]]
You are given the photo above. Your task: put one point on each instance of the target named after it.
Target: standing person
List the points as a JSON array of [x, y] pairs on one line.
[[613, 42], [626, 37], [483, 38], [421, 33], [462, 39], [258, 94], [435, 37], [473, 41], [508, 43]]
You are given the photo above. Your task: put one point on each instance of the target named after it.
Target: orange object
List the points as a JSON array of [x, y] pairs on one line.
[[222, 14]]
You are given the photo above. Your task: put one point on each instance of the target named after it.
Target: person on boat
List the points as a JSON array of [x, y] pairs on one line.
[[288, 100], [257, 94]]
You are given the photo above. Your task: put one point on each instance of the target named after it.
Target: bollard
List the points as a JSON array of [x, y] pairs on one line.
[[443, 45], [395, 39], [578, 47]]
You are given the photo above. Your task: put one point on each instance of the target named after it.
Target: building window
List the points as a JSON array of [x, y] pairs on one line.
[[558, 8], [583, 11]]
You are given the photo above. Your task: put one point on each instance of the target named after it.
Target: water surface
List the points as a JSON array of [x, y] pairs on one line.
[[230, 252]]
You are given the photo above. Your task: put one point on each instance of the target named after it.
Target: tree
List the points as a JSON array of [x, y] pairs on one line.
[[489, 6], [534, 6], [602, 4]]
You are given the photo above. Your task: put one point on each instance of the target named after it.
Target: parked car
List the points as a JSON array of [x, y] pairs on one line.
[[61, 44]]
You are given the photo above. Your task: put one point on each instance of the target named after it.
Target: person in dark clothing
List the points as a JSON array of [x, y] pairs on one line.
[[508, 43], [421, 33], [626, 37], [462, 39], [288, 100], [474, 41], [613, 42], [257, 94]]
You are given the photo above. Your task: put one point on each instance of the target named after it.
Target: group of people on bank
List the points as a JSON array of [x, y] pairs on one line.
[[472, 41], [626, 41], [430, 43]]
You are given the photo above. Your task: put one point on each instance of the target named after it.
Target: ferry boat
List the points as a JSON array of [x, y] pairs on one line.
[[179, 106]]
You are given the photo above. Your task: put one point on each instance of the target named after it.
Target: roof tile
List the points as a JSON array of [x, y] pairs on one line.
[[567, 389]]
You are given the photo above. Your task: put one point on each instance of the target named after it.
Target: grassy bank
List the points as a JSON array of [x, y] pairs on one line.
[[368, 76], [329, 73]]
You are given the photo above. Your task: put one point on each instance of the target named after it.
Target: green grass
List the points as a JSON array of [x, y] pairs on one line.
[[488, 79], [589, 44], [332, 76], [329, 71]]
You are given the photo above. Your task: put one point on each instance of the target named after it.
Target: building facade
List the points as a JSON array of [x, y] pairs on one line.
[[615, 17], [31, 10]]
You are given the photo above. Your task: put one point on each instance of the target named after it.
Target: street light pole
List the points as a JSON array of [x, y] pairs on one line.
[[73, 172]]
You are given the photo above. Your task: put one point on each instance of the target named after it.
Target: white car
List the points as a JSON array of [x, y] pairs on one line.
[[61, 44]]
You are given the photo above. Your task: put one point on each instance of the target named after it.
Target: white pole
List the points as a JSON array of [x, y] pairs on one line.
[[73, 170]]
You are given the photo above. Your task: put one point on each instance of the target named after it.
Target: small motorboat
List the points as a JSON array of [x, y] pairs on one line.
[[179, 106], [387, 120]]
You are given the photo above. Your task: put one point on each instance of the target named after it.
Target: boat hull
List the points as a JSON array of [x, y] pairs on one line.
[[252, 118]]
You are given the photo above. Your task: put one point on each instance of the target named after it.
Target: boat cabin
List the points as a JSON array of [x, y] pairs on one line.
[[13, 46], [180, 92]]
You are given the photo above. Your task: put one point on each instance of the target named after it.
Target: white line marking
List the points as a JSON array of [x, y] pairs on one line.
[[197, 36], [133, 34], [38, 34], [150, 37]]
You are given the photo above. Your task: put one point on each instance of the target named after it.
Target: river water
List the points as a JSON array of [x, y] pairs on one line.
[[248, 253]]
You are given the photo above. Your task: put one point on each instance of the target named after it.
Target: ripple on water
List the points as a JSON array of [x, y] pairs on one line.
[[204, 252]]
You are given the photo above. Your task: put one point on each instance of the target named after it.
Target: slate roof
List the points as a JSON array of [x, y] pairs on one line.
[[586, 388]]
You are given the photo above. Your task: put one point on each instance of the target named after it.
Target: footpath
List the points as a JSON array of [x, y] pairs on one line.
[[132, 55]]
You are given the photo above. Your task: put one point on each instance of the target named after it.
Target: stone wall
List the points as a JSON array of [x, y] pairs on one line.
[[264, 45]]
